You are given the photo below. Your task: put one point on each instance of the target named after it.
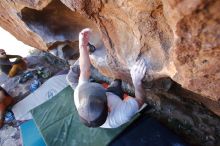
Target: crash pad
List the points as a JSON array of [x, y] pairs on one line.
[[30, 134], [59, 124], [147, 131], [45, 92]]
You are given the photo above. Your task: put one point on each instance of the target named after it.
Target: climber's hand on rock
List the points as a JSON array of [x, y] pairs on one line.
[[84, 37], [137, 72]]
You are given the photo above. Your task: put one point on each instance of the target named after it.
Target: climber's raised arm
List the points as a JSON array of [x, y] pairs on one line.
[[137, 74], [84, 60]]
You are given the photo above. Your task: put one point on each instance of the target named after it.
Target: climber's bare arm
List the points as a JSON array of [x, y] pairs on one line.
[[84, 60], [137, 74]]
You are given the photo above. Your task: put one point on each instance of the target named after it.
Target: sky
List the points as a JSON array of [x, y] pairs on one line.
[[13, 46]]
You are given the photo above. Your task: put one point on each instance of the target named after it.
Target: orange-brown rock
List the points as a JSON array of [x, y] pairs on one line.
[[179, 39], [10, 20]]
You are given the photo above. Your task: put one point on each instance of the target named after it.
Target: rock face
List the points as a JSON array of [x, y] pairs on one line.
[[179, 39]]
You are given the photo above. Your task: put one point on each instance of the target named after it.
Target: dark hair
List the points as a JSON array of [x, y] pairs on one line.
[[3, 90]]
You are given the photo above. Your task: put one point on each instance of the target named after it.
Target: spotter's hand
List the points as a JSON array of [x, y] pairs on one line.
[[137, 72], [84, 37]]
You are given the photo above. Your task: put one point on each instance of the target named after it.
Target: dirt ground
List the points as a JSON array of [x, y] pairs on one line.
[[10, 136]]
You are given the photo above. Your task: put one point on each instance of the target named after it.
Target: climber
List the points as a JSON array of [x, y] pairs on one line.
[[5, 101], [96, 106], [11, 68]]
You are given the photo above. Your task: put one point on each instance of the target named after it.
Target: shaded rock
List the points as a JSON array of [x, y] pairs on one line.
[[66, 50], [56, 22]]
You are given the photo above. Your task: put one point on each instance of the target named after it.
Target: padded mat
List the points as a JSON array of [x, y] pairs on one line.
[[59, 124]]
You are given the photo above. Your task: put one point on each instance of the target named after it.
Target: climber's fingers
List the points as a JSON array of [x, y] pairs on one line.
[[144, 71], [143, 66], [84, 37], [139, 67], [139, 62], [134, 67], [86, 31]]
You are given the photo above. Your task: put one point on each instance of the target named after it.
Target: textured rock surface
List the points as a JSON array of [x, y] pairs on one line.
[[179, 39], [176, 109], [11, 21]]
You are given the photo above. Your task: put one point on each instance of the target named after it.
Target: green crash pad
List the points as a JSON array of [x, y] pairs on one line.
[[59, 124]]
